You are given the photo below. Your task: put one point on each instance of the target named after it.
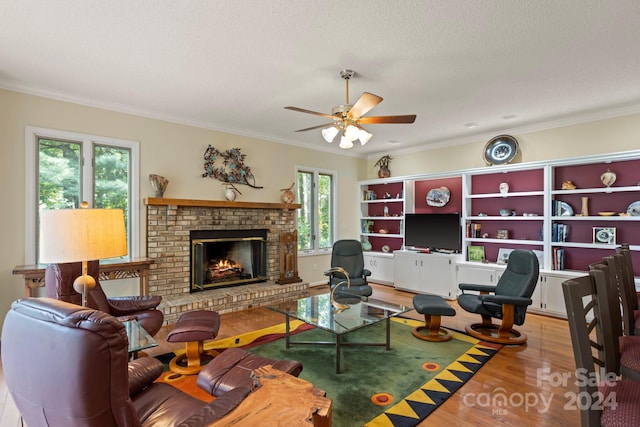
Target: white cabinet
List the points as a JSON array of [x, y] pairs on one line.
[[548, 297], [481, 274], [425, 273], [381, 267]]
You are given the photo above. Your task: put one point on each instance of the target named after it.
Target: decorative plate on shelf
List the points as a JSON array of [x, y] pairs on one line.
[[565, 209], [438, 197], [634, 208], [500, 150]]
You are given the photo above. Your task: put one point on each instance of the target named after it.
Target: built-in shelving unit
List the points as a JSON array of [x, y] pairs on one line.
[[522, 206], [504, 209], [382, 207]]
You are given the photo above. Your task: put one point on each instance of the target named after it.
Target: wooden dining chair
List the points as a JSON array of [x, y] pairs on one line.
[[617, 401]]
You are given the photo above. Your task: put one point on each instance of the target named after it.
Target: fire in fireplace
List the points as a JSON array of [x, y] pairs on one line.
[[227, 258]]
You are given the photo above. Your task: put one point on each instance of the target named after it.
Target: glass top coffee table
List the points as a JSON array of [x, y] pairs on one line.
[[318, 311], [139, 338]]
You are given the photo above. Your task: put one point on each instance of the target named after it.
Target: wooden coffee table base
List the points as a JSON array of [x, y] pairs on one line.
[[283, 399]]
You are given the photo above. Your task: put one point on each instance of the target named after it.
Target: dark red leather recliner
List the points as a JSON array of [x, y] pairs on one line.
[[59, 279], [67, 366]]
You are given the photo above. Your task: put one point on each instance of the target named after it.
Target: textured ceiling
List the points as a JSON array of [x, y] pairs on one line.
[[233, 65]]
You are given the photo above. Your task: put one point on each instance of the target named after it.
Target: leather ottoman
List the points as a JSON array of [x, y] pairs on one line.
[[433, 307], [193, 328]]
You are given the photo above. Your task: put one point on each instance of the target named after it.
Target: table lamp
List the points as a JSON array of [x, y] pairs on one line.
[[72, 235]]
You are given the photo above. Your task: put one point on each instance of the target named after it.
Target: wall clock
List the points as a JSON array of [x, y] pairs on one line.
[[500, 150]]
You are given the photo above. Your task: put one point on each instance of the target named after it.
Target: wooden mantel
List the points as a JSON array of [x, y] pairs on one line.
[[157, 201]]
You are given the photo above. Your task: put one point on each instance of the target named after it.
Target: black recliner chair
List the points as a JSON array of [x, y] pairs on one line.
[[347, 254], [508, 300]]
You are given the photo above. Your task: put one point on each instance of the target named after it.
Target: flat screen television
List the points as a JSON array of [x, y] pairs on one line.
[[434, 231]]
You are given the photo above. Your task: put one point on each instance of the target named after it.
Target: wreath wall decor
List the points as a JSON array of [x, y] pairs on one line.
[[230, 167]]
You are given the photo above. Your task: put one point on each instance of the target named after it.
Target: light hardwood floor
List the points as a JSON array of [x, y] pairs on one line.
[[532, 398]]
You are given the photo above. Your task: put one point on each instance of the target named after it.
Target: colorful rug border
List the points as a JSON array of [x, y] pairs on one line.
[[417, 406]]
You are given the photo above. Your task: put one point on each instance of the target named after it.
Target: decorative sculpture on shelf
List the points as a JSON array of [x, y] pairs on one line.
[[608, 178], [232, 170], [383, 163], [438, 197], [338, 305], [158, 183]]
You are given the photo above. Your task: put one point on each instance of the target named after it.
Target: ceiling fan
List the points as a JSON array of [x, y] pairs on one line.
[[348, 117]]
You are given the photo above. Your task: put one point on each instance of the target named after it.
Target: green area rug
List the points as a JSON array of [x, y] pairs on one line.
[[376, 387], [398, 388]]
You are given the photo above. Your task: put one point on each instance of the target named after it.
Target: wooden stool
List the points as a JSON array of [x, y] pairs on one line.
[[432, 306], [194, 328]]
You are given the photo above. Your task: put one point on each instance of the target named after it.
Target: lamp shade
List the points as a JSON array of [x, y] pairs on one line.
[[364, 136], [329, 133], [72, 235], [345, 142]]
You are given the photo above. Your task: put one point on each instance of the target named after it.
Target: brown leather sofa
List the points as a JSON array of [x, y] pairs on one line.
[[233, 367], [68, 366], [59, 279]]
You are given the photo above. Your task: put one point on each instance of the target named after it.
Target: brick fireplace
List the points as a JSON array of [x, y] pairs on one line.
[[169, 226]]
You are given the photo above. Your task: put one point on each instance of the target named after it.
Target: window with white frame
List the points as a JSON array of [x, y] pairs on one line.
[[316, 216], [65, 169]]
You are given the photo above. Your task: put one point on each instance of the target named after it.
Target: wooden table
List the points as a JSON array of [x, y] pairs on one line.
[[109, 270], [280, 400]]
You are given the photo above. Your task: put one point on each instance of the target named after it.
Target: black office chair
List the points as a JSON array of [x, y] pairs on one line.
[[508, 300], [347, 254]]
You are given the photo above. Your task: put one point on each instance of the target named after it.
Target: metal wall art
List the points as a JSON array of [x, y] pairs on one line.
[[230, 167]]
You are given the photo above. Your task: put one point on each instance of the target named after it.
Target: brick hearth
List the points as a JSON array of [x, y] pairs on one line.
[[169, 222]]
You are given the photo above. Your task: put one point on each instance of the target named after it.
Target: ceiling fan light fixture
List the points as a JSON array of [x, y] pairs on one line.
[[345, 143], [352, 132], [346, 118], [364, 136], [329, 133]]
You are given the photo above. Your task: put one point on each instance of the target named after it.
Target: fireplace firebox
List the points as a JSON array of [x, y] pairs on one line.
[[221, 258]]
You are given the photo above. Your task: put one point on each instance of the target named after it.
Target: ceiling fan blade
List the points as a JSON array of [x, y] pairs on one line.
[[302, 110], [408, 118], [365, 103], [317, 127]]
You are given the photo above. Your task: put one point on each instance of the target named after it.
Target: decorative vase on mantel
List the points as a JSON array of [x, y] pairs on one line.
[[158, 183], [230, 192]]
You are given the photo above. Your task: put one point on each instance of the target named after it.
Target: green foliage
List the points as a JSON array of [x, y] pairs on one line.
[[315, 213], [59, 174]]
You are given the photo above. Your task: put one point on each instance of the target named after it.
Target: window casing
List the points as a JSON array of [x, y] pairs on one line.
[[65, 168], [316, 217]]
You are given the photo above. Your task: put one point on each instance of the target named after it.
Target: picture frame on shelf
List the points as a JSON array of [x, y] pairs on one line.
[[503, 255], [604, 235], [476, 253]]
